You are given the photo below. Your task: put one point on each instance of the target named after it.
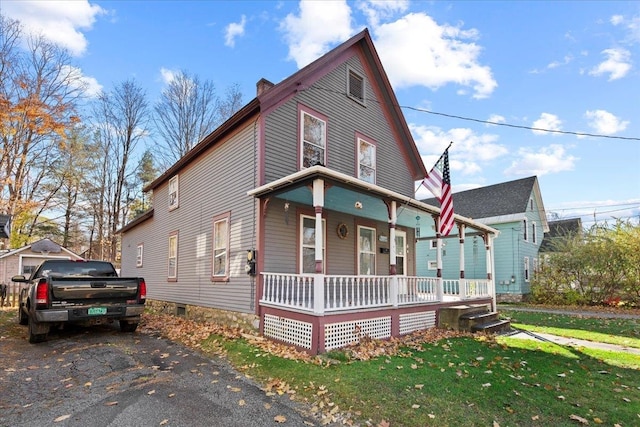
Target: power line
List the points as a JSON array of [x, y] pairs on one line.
[[488, 122]]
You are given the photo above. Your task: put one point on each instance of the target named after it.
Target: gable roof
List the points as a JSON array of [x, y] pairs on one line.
[[506, 201], [300, 80], [560, 229], [43, 245]]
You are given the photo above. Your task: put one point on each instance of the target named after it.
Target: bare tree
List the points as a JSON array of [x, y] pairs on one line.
[[188, 110], [121, 123]]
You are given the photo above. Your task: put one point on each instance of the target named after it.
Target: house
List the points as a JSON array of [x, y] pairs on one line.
[[513, 208], [559, 231], [25, 260], [298, 213]]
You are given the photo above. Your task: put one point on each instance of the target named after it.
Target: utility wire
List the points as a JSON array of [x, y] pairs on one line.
[[488, 122]]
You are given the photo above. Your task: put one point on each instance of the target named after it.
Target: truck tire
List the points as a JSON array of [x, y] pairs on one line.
[[126, 326], [23, 319], [37, 331]]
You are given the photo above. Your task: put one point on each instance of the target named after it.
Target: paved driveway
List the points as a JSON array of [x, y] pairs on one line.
[[101, 377]]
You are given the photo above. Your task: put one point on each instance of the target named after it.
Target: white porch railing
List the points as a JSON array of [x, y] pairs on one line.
[[342, 293]]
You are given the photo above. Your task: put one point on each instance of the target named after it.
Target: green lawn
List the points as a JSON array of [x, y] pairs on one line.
[[469, 381]]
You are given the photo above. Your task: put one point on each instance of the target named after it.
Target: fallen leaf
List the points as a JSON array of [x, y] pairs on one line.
[[415, 406], [62, 418], [87, 384], [171, 395], [597, 420], [431, 416], [419, 386], [280, 419], [579, 419], [241, 402], [163, 422], [114, 403], [383, 423], [151, 392]]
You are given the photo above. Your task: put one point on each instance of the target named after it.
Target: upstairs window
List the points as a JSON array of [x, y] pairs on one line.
[[313, 139], [533, 232], [526, 230], [366, 161], [173, 193], [355, 86]]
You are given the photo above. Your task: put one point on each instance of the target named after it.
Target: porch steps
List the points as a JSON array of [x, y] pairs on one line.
[[473, 318]]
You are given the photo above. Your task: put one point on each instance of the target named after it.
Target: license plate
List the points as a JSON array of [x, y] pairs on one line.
[[94, 311]]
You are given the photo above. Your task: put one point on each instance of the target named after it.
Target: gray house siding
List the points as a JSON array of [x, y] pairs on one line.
[[215, 184], [345, 117]]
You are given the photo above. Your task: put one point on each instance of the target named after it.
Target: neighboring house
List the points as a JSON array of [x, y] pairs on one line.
[[516, 210], [299, 212], [24, 260], [559, 231]]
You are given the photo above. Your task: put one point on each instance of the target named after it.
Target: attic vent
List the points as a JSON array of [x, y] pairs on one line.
[[356, 86]]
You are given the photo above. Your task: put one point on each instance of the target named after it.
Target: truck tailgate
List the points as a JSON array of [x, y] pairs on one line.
[[93, 288]]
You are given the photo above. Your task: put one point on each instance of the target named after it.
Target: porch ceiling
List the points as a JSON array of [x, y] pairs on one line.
[[343, 191]]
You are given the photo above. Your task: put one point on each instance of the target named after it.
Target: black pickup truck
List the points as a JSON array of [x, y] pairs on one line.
[[79, 292]]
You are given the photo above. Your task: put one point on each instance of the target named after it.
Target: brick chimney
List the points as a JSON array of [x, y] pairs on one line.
[[263, 85]]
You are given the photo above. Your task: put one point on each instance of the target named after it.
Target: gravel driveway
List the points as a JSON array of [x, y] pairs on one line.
[[101, 377]]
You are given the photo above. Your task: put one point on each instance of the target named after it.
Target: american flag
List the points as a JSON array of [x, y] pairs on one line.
[[438, 182]]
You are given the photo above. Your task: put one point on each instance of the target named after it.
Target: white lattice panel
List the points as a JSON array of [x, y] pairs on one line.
[[287, 330], [338, 335], [416, 321]]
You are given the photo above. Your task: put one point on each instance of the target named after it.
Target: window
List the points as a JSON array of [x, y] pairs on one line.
[[526, 269], [173, 193], [313, 136], [308, 244], [366, 250], [366, 161], [531, 204], [28, 269], [433, 244], [221, 247], [432, 265], [401, 252], [526, 230], [172, 273], [139, 252], [355, 86], [533, 232]]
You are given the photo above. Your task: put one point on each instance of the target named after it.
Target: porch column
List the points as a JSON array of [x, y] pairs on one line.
[[393, 250], [488, 241], [440, 289], [318, 280], [463, 282]]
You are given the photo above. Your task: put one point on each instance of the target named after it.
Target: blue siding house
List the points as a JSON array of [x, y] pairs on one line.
[[515, 208]]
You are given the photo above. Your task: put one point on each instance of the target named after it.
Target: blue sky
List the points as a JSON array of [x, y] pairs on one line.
[[572, 67]]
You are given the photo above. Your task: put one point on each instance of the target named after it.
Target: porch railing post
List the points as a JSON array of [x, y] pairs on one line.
[[318, 293], [393, 289], [440, 289]]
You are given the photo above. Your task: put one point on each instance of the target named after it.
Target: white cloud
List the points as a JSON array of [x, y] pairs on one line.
[[547, 121], [319, 25], [605, 123], [617, 64], [551, 159], [496, 118], [89, 85], [60, 22], [234, 30], [466, 153], [167, 75], [415, 50], [375, 10], [616, 19]]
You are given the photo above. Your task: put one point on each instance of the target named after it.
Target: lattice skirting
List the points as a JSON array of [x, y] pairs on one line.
[[338, 335], [416, 321], [287, 330]]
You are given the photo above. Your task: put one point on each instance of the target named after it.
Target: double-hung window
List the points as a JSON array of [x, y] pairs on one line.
[[366, 161], [525, 229], [313, 139], [308, 244], [173, 193], [366, 250], [139, 253], [172, 273], [221, 247]]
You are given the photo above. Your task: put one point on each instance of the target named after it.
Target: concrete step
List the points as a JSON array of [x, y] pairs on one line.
[[493, 327]]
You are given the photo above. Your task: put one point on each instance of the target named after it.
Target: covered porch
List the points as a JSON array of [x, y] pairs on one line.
[[311, 302]]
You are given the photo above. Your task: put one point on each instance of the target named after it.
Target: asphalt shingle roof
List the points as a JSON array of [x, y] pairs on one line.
[[494, 200]]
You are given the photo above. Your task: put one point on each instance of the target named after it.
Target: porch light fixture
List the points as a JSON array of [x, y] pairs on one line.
[[358, 205], [513, 278]]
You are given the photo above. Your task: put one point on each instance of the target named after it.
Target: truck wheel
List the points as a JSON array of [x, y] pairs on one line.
[[23, 319], [37, 331], [126, 326]]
